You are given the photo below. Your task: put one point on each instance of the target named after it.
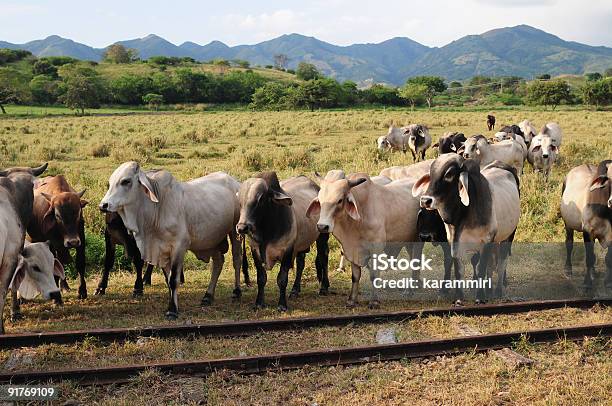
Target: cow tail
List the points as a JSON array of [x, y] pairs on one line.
[[245, 262]]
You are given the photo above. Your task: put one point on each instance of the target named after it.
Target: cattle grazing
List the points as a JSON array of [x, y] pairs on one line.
[[58, 218], [450, 142], [115, 234], [365, 217], [168, 217], [542, 154], [395, 140], [418, 139], [528, 131], [16, 202], [480, 209], [35, 275], [413, 171], [586, 206], [554, 132], [511, 152], [490, 122], [273, 216]]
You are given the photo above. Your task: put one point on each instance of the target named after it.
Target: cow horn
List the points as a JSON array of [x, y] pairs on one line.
[[82, 192], [356, 182], [39, 170]]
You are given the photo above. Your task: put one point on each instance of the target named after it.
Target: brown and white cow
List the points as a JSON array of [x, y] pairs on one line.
[[586, 206], [168, 217], [58, 217], [273, 216], [365, 218], [480, 209], [16, 201]]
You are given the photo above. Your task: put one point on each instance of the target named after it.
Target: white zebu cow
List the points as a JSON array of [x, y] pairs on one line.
[[542, 154], [553, 131], [478, 148], [168, 217], [529, 131], [395, 140]]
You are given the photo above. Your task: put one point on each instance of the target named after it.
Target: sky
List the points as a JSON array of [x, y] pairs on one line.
[[341, 22]]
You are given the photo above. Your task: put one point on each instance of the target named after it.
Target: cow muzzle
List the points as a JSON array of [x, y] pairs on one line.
[[426, 237], [56, 297], [72, 242], [104, 207], [427, 202], [243, 228], [323, 228]]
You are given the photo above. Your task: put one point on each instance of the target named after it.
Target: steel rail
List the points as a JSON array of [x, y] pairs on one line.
[[251, 327], [325, 357]]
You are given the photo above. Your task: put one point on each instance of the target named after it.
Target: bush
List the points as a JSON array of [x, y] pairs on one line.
[[12, 55], [101, 151]]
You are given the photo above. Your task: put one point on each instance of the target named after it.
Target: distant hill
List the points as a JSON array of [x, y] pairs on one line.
[[522, 51]]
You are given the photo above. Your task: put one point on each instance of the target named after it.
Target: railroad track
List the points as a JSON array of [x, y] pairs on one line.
[[327, 357], [251, 327]]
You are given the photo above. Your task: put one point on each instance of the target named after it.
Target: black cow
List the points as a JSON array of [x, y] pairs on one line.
[[490, 122], [450, 142], [273, 216]]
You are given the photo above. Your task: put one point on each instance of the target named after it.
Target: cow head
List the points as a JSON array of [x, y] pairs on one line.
[[64, 213], [544, 144], [415, 133], [32, 171], [383, 143], [446, 187], [473, 146], [259, 196], [603, 179], [35, 273], [335, 199], [126, 187]]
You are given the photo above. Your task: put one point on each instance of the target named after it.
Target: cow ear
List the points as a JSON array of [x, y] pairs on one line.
[[318, 177], [436, 145], [463, 188], [421, 185], [356, 182], [598, 182], [453, 147], [84, 203], [536, 148], [351, 207], [461, 150], [46, 196], [314, 208], [58, 269], [146, 183], [48, 221], [281, 198], [19, 275]]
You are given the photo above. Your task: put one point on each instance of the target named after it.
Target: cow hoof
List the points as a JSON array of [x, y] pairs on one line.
[[236, 294], [248, 284], [171, 315], [282, 308], [480, 301], [207, 300], [64, 285], [294, 294], [351, 304], [137, 293], [82, 293], [339, 269], [100, 292], [458, 303], [15, 317], [323, 292], [375, 304]]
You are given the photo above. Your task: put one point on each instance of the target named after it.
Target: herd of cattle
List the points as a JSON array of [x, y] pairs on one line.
[[467, 200]]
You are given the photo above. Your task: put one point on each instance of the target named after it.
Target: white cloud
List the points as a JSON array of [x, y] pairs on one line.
[[17, 9]]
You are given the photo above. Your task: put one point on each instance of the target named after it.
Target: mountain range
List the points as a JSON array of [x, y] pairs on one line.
[[521, 51]]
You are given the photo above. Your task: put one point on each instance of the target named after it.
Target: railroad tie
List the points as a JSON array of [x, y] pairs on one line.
[[510, 357]]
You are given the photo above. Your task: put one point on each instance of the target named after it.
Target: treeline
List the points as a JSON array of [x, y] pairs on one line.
[[25, 79]]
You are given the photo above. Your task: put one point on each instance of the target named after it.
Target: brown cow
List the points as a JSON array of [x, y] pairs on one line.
[[58, 217]]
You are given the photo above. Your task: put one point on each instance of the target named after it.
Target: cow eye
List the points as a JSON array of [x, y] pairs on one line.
[[340, 201], [449, 176], [35, 268], [126, 182]]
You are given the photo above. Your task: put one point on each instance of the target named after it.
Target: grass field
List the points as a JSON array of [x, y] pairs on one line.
[[88, 149]]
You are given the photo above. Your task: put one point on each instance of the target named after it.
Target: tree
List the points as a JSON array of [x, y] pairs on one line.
[[381, 94], [129, 88], [549, 93], [13, 87], [153, 100], [434, 85], [44, 89], [270, 96], [222, 65], [242, 63], [13, 55], [414, 93], [193, 87], [479, 80], [455, 85], [281, 61], [83, 88], [44, 67], [545, 76], [307, 71], [597, 92], [593, 76], [314, 94], [117, 53]]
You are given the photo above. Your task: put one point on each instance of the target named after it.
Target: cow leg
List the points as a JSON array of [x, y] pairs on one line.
[[502, 264], [262, 278], [173, 282], [355, 277], [423, 155], [236, 262], [448, 264], [15, 309], [300, 262], [147, 276], [80, 261], [474, 261], [245, 264], [283, 279], [608, 280], [109, 260], [341, 264], [569, 247], [322, 263], [458, 265], [217, 266], [485, 256], [138, 283], [590, 260], [414, 157]]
